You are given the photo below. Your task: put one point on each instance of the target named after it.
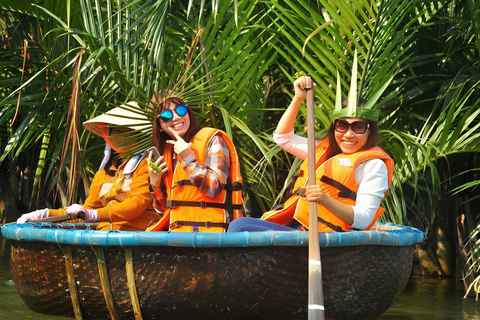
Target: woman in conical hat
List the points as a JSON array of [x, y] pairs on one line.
[[119, 197], [352, 175]]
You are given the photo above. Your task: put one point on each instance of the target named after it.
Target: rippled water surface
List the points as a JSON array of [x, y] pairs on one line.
[[433, 299], [424, 298]]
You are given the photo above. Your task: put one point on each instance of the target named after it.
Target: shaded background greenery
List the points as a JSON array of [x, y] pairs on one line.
[[64, 62]]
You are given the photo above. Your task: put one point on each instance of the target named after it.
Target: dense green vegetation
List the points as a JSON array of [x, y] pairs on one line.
[[63, 62]]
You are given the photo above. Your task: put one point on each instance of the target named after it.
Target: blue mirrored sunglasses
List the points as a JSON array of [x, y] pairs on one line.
[[167, 115]]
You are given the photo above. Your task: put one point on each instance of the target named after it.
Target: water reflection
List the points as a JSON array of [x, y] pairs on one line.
[[12, 306], [433, 299], [423, 298]]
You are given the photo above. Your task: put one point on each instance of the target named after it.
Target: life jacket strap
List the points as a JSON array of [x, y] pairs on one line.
[[344, 191], [182, 183], [202, 204], [325, 222], [236, 186], [299, 192], [228, 205], [205, 224], [330, 225]]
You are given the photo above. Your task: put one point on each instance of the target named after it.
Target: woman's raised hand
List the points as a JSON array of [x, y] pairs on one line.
[[156, 172], [179, 144], [300, 86]]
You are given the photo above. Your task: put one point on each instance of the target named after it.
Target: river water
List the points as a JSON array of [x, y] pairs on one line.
[[424, 298]]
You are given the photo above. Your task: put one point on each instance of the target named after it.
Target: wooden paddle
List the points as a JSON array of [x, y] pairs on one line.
[[48, 219], [61, 218], [53, 219], [316, 309]]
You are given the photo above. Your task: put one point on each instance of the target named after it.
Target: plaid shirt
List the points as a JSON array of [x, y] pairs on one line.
[[209, 178]]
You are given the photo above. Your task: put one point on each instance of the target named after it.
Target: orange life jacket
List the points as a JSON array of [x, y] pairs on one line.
[[189, 209], [336, 177]]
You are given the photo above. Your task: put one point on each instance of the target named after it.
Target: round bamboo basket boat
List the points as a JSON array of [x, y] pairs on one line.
[[71, 270]]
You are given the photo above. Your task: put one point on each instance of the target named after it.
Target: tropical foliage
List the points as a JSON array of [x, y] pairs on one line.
[[113, 51], [64, 62]]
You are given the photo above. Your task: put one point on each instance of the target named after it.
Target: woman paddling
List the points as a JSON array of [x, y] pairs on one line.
[[352, 175], [119, 196]]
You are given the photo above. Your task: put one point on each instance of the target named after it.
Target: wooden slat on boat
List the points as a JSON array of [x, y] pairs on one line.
[[71, 283], [132, 288], [107, 292]]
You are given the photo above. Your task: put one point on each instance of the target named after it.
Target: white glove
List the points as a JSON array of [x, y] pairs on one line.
[[34, 215], [75, 212]]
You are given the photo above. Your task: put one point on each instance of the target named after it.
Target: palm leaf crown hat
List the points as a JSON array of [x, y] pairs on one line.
[[366, 111]]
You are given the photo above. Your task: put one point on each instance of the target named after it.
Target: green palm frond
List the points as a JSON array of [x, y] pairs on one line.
[[322, 38], [214, 60], [451, 128], [381, 34]]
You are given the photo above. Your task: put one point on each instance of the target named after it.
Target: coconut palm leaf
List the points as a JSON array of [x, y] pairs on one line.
[[330, 33], [131, 54], [451, 128], [222, 77], [381, 34]]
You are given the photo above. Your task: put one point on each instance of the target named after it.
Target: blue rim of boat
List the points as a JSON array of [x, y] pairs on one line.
[[400, 236]]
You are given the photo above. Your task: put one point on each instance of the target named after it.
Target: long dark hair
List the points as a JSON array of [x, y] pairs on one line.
[[372, 139], [159, 137]]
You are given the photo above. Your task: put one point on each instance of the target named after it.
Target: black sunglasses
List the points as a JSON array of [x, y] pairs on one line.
[[167, 115], [358, 127]]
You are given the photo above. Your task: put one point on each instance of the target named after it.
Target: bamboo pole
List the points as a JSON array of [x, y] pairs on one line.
[[104, 279], [71, 283], [316, 309], [132, 288]]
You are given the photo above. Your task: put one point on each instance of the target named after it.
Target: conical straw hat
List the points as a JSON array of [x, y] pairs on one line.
[[120, 116]]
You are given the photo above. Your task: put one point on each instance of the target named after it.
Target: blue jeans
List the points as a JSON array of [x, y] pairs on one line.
[[253, 224]]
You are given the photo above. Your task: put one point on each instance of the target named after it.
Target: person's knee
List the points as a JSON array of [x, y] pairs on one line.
[[237, 225]]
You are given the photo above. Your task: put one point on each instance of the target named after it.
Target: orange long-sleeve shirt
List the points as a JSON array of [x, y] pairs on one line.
[[122, 203], [126, 203]]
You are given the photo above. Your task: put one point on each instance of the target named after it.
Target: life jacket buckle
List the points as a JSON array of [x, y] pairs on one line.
[[208, 224], [171, 204], [203, 204], [176, 224], [299, 192]]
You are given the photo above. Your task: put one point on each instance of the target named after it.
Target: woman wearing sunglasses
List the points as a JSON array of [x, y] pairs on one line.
[[119, 197], [351, 180], [196, 182]]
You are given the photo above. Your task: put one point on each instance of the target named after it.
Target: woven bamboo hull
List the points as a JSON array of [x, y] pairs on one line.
[[263, 282]]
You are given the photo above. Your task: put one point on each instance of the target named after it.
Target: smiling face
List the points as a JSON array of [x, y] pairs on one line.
[[179, 124], [349, 141]]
